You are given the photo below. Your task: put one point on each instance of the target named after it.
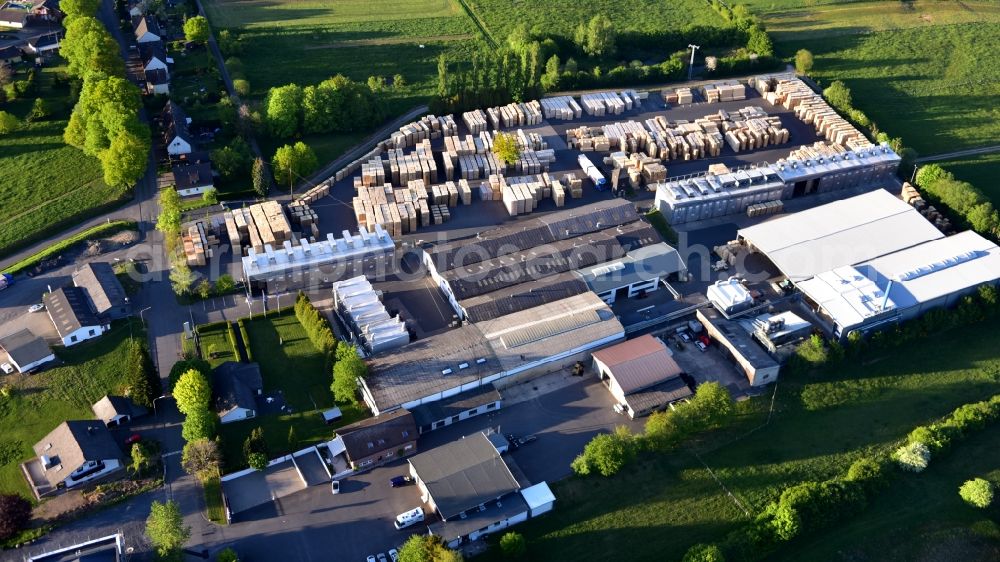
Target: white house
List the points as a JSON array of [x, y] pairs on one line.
[[146, 30], [236, 387], [13, 17], [73, 315], [175, 130], [75, 453], [26, 351], [115, 411]]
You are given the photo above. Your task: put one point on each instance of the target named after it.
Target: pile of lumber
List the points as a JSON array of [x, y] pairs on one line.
[[911, 196], [439, 214], [316, 193], [305, 218], [574, 185], [641, 169], [260, 225], [399, 168], [515, 115], [372, 172], [811, 108], [730, 90], [561, 107], [350, 168], [678, 96], [476, 166], [521, 195], [233, 233], [816, 151], [763, 209], [475, 121], [606, 103], [196, 245], [403, 210], [427, 127], [491, 189]]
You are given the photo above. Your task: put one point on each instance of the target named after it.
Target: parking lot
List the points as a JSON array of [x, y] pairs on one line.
[[316, 525]]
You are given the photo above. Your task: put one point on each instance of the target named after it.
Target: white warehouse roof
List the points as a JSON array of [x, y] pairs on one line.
[[846, 232], [847, 296], [937, 268]]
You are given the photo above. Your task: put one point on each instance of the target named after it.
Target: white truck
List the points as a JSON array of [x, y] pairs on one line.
[[6, 280], [595, 175]]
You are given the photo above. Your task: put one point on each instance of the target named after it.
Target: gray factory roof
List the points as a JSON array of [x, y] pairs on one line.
[[426, 414], [670, 390], [738, 338], [452, 529], [69, 309], [529, 233], [464, 473], [317, 254], [547, 259], [641, 264], [102, 286], [522, 297], [840, 233], [430, 365]]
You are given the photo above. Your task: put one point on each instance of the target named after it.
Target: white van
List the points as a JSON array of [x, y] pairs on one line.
[[407, 518]]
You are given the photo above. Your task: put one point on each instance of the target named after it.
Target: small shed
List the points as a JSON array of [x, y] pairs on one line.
[[116, 411], [26, 351], [539, 497], [332, 415]]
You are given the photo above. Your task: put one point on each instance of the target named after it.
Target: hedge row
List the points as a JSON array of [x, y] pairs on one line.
[[246, 339], [964, 199], [231, 335], [316, 325], [812, 506]]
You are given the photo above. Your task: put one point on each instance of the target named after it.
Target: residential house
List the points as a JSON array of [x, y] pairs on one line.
[[105, 549], [115, 411], [641, 374], [374, 441], [104, 290], [192, 178], [147, 30], [154, 67], [26, 351], [71, 313], [13, 16], [236, 387], [46, 10], [76, 453], [44, 44], [10, 55], [174, 124]]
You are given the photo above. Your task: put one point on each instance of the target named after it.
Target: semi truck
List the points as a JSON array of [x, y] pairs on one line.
[[593, 173], [6, 280]]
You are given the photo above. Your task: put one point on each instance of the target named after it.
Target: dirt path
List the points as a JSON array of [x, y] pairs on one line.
[[391, 41], [959, 154]]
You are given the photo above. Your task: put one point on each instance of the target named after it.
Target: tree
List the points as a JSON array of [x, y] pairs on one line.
[[8, 123], [227, 555], [231, 160], [760, 42], [196, 29], [260, 177], [283, 110], [839, 95], [224, 284], [704, 553], [606, 453], [142, 384], [143, 456], [506, 149], [185, 365], [165, 528], [442, 89], [241, 86], [201, 458], [88, 47], [181, 277], [711, 406], [346, 373], [255, 449], [75, 8], [550, 80], [513, 545], [293, 162], [192, 392], [204, 289], [125, 160], [598, 37], [293, 439], [169, 220], [977, 492], [399, 81], [427, 548], [913, 457], [199, 424], [39, 111], [803, 61], [15, 513], [211, 196]]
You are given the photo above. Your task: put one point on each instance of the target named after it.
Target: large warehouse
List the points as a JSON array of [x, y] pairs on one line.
[[846, 232], [709, 195], [904, 284], [537, 340], [532, 262]]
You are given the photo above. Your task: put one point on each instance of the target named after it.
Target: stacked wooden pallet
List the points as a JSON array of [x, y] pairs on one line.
[[639, 168], [372, 172], [558, 192], [476, 166], [444, 194], [605, 103], [235, 239], [521, 195], [304, 217], [402, 167], [196, 245], [574, 184], [350, 168], [766, 208], [816, 151], [811, 108], [439, 214], [515, 115], [475, 121], [561, 107], [910, 195], [427, 127], [492, 188], [316, 193], [588, 139], [730, 90]]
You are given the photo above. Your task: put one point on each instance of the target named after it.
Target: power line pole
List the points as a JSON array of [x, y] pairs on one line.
[[691, 66]]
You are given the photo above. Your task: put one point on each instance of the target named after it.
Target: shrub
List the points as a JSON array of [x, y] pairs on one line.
[[704, 553], [870, 473], [606, 453], [15, 512], [977, 493], [227, 555], [913, 457], [513, 545]]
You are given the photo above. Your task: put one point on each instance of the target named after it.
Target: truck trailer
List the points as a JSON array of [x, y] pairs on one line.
[[593, 173]]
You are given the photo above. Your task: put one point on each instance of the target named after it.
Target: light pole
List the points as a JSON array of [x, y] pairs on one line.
[[140, 315], [691, 66], [154, 402]]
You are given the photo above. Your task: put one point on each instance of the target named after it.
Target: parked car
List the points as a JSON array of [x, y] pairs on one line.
[[382, 558], [400, 481], [685, 336], [393, 555], [37, 307], [134, 438], [701, 345], [371, 558], [704, 339], [7, 368], [335, 487], [88, 468]]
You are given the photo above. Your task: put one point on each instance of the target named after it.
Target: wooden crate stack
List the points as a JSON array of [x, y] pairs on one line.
[[730, 90], [196, 245], [235, 239], [372, 172], [491, 189], [605, 103], [558, 192], [402, 167], [439, 214], [316, 193], [521, 195], [515, 115], [811, 108], [305, 218], [561, 107], [574, 184], [815, 151], [476, 166], [427, 127], [475, 121], [639, 168]]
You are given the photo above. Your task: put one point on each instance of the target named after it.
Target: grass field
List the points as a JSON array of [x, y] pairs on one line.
[[215, 345], [46, 185], [289, 363], [821, 424], [981, 171], [560, 17], [42, 401]]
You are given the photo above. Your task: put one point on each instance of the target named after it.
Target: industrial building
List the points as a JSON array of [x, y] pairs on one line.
[[73, 316], [525, 343], [533, 262], [704, 196], [776, 330], [846, 232], [759, 367], [904, 284], [312, 264], [471, 487], [641, 374], [360, 308], [729, 296], [461, 406]]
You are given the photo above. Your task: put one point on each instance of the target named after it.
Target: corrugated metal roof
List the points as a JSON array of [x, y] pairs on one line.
[[551, 328], [639, 363]]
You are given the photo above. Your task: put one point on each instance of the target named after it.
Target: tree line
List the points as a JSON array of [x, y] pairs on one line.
[[964, 199], [342, 359], [338, 104]]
